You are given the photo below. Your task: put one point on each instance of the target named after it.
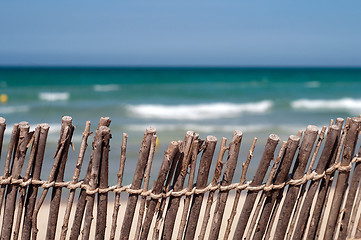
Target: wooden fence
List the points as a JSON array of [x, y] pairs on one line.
[[317, 199]]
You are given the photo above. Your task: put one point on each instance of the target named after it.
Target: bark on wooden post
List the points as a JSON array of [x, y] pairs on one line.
[[103, 184], [342, 178], [145, 186], [202, 178], [270, 179], [160, 207], [350, 199], [10, 198], [326, 155], [101, 140], [59, 176], [137, 182], [26, 177], [80, 207], [263, 166], [216, 175], [169, 156], [233, 153], [33, 189], [281, 176], [325, 184], [10, 154], [299, 169], [119, 185], [303, 187], [179, 178], [192, 170], [83, 147], [245, 166]]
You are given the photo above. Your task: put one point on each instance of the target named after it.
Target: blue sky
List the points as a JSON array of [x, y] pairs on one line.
[[183, 33]]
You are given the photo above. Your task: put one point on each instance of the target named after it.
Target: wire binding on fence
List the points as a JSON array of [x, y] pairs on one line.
[[184, 192]]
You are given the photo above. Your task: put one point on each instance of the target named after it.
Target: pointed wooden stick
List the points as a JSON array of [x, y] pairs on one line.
[[101, 140], [295, 215], [193, 161], [80, 207], [263, 166], [11, 151], [83, 147], [33, 189], [326, 155], [350, 200], [271, 176], [25, 178], [202, 178], [119, 185], [179, 178], [216, 175], [271, 201], [64, 141], [342, 178], [226, 180], [169, 158], [245, 166], [137, 182], [10, 198], [161, 206], [58, 177], [299, 170], [145, 186], [325, 185]]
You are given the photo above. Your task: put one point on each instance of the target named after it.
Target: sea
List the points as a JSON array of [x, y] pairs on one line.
[[209, 101]]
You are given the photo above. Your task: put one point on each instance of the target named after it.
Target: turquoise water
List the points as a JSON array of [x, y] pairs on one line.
[[210, 101]]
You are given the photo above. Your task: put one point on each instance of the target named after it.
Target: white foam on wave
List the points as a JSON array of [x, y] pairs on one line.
[[339, 104], [198, 111], [106, 88], [54, 96], [13, 109]]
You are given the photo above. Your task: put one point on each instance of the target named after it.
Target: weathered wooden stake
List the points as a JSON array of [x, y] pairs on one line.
[[326, 155], [216, 175], [12, 189], [119, 185], [233, 153], [273, 195], [59, 176], [267, 156], [145, 186], [325, 185], [169, 158], [137, 182], [192, 170], [101, 141], [25, 178], [83, 147], [179, 178], [202, 178], [342, 179], [2, 130], [293, 190], [271, 176], [80, 207], [11, 152], [350, 199], [33, 189]]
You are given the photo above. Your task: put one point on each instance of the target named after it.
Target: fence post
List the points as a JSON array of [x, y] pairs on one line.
[[233, 153]]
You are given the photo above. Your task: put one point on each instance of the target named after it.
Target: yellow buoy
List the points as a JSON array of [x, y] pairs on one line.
[[156, 143], [3, 98]]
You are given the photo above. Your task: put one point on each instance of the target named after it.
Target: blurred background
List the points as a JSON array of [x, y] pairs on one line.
[[210, 67]]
